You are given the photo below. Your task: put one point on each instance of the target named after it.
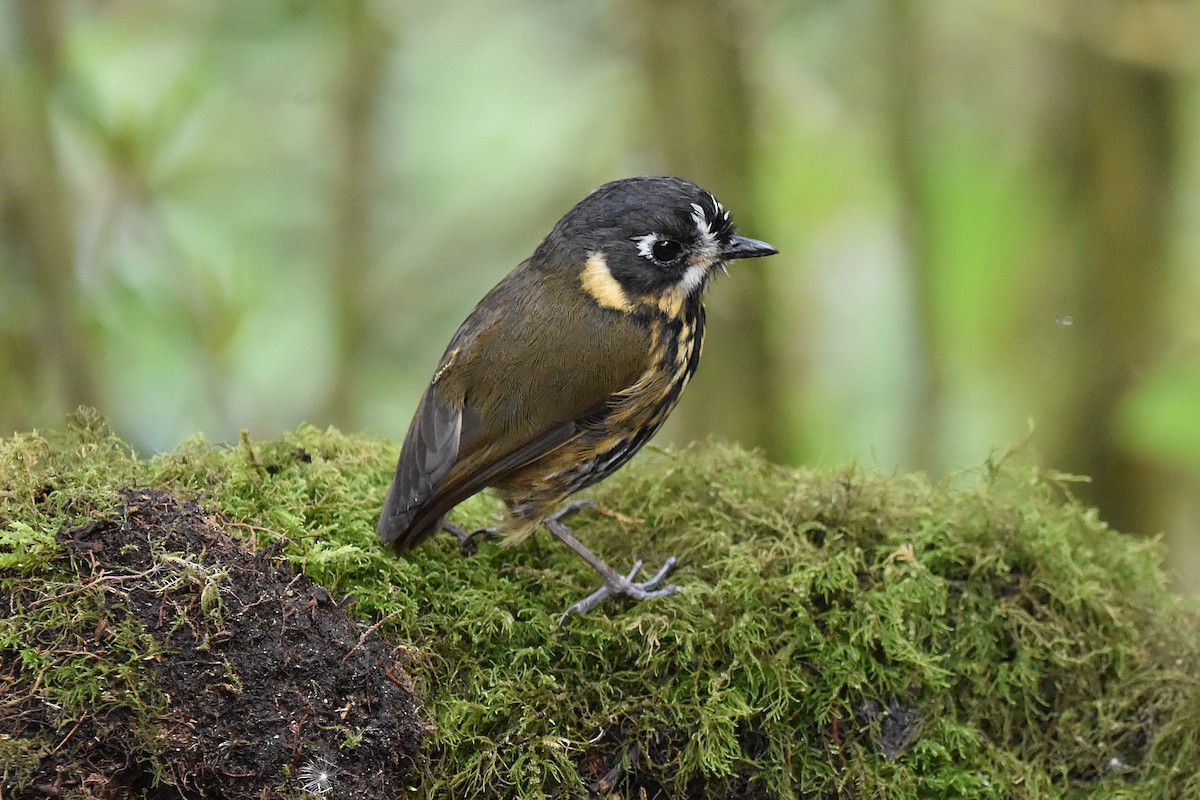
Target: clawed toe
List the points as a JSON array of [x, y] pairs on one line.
[[667, 566], [467, 541], [625, 585]]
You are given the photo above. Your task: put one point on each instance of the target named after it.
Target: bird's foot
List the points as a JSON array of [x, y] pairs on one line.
[[614, 582], [467, 541], [624, 584]]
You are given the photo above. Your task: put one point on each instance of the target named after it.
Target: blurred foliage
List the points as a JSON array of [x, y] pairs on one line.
[[217, 216]]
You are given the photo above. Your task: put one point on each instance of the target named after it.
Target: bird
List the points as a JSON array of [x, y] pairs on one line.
[[566, 368]]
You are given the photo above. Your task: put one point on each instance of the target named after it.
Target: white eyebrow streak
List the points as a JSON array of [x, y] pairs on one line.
[[701, 220], [716, 203], [721, 211], [703, 227]]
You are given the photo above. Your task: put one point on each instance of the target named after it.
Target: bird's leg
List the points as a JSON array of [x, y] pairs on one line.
[[466, 541], [614, 582]]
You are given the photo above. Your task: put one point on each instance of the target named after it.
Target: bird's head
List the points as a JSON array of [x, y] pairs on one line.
[[646, 239]]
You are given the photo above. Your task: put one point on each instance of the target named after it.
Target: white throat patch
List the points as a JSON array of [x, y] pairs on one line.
[[693, 278]]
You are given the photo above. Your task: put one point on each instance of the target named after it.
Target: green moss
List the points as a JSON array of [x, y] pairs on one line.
[[987, 637]]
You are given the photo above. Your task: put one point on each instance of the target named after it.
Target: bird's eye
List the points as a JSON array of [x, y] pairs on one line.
[[666, 250]]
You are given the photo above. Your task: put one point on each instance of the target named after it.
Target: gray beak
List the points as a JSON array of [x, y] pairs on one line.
[[745, 247]]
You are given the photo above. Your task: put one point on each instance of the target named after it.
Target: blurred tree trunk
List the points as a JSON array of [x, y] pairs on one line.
[[700, 122], [354, 110], [907, 130], [1121, 169], [48, 354]]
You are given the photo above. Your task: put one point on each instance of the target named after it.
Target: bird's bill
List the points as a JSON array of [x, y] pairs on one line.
[[745, 247]]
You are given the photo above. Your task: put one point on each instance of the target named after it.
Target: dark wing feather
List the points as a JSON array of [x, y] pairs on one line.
[[486, 414], [429, 451], [424, 519]]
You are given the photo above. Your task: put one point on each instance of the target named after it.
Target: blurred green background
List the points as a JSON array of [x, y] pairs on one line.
[[230, 215]]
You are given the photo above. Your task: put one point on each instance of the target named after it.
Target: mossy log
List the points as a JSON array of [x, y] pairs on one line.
[[220, 622]]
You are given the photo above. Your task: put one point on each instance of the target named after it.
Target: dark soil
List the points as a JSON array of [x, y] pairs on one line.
[[260, 685]]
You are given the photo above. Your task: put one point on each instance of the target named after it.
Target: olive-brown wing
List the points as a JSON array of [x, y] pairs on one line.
[[533, 364]]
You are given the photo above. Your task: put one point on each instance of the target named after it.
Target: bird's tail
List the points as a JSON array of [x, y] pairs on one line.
[[403, 527]]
